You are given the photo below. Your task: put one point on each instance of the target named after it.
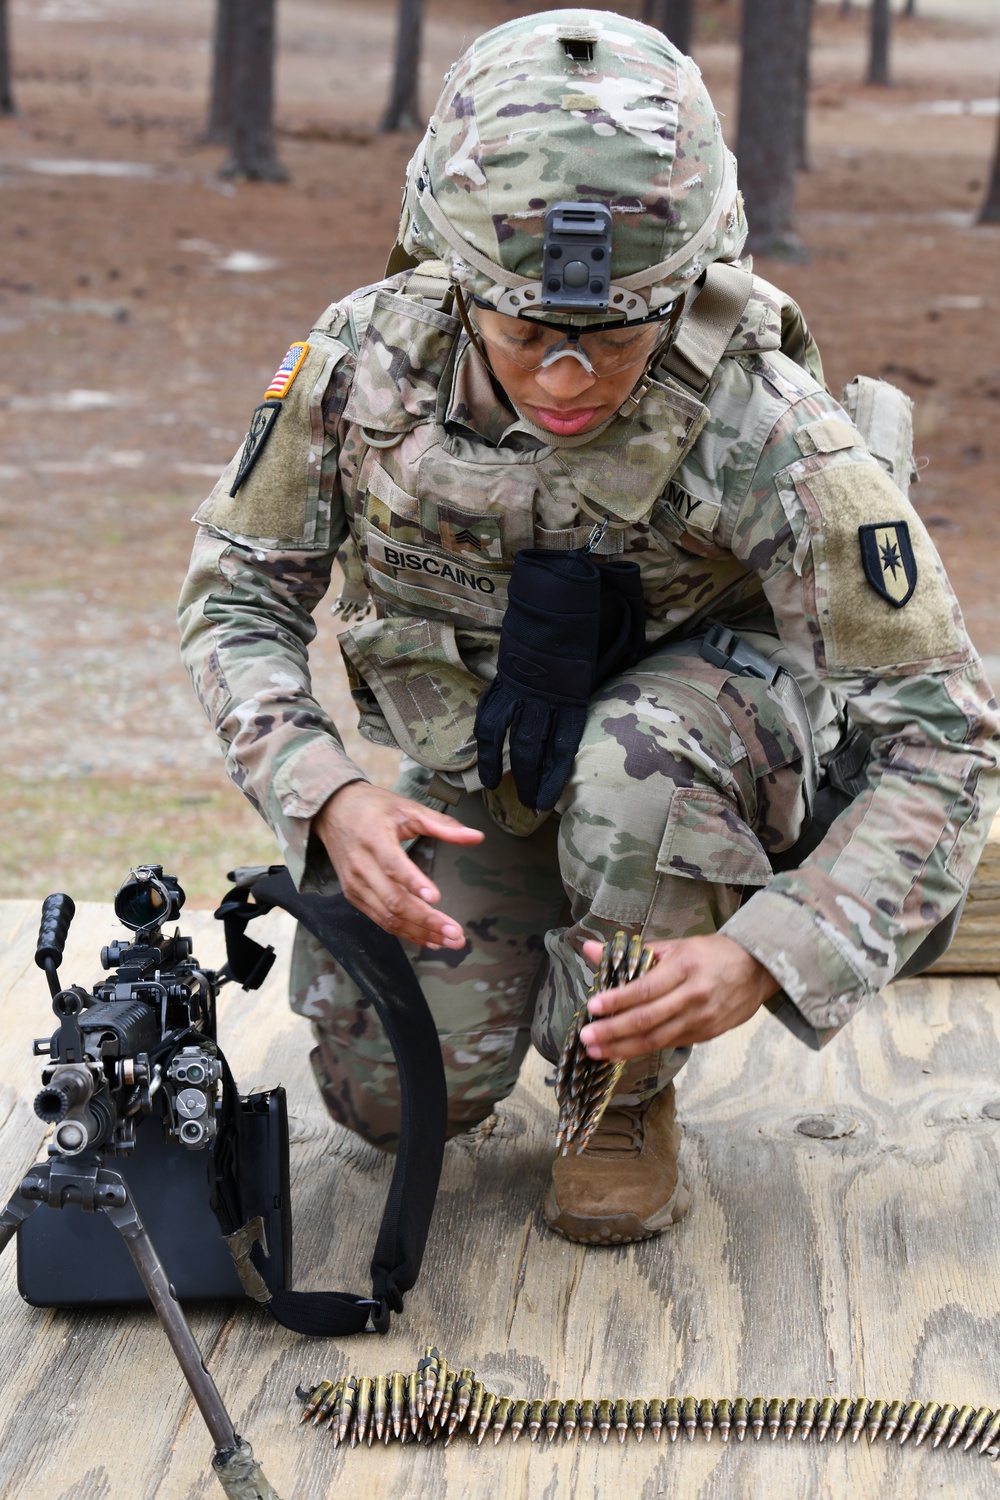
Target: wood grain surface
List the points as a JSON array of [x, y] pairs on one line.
[[976, 946], [862, 1259]]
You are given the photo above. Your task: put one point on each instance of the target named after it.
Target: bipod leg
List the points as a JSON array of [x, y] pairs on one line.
[[15, 1211], [235, 1466], [64, 1181]]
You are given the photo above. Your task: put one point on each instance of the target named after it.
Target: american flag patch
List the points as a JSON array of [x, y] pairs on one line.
[[286, 372]]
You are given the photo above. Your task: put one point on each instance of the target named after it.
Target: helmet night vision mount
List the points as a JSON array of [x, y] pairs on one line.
[[576, 268], [576, 263]]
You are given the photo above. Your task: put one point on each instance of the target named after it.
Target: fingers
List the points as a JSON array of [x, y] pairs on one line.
[[699, 988], [639, 1009], [382, 881], [675, 1021], [362, 828], [396, 895], [416, 820]]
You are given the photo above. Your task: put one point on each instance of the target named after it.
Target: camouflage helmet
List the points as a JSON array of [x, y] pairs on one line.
[[572, 105]]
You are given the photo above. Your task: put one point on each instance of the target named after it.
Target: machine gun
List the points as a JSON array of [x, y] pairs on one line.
[[140, 1048], [149, 1029]]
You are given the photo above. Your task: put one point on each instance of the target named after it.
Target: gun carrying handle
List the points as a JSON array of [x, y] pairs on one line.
[[57, 913]]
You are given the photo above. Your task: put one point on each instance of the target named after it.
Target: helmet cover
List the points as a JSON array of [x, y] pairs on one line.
[[573, 105]]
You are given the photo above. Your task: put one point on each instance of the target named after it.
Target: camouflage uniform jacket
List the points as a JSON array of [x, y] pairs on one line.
[[742, 505]]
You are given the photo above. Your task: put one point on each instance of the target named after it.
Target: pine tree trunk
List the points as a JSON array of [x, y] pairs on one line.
[[878, 56], [675, 18], [6, 91], [218, 129], [252, 150], [252, 147], [990, 211], [910, 8], [403, 110], [772, 87], [803, 75]]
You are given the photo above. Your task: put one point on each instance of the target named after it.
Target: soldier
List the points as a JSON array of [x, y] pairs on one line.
[[652, 622]]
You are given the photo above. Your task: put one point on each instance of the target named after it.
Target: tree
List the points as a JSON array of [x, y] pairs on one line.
[[675, 18], [403, 110], [990, 211], [220, 110], [769, 142], [252, 149], [6, 92], [878, 54], [802, 72]]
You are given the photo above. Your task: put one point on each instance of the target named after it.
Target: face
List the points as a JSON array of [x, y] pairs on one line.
[[564, 397]]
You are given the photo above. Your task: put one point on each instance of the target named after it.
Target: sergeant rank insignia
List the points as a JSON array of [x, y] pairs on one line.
[[888, 561]]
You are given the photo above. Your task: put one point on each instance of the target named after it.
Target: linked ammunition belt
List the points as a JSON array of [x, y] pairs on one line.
[[435, 1402], [584, 1086]]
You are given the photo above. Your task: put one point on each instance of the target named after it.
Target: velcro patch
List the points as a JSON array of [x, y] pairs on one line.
[[888, 560], [286, 372], [444, 574], [261, 424], [828, 435], [579, 101]]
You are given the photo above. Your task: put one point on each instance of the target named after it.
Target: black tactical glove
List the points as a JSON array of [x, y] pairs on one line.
[[623, 619], [566, 629]]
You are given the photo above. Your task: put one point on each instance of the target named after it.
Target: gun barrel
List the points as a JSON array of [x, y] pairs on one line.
[[63, 1102], [70, 1088]]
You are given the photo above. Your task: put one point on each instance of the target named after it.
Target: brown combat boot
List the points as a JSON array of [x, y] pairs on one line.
[[625, 1185]]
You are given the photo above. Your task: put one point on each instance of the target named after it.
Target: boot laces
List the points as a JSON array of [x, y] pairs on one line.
[[619, 1132]]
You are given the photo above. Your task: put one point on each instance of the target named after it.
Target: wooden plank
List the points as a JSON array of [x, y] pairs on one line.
[[861, 1262], [976, 948]]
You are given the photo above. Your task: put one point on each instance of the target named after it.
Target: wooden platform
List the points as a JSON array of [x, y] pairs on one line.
[[976, 946], [861, 1258]]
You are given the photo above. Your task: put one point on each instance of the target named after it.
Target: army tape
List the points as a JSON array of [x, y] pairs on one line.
[[436, 1402]]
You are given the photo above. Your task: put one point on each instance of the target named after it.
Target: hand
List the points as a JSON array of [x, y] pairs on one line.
[[698, 988], [362, 827]]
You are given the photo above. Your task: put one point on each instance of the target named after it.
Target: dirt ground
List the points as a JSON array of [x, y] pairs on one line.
[[144, 305]]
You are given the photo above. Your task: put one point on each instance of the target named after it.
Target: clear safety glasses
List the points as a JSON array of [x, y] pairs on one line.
[[602, 349]]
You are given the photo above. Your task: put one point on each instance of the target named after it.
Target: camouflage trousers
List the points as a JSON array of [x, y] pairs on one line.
[[686, 780]]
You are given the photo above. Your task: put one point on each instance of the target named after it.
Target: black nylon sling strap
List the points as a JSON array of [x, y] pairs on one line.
[[377, 964]]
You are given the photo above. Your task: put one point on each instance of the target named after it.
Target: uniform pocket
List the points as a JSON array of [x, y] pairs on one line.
[[706, 839], [423, 687]]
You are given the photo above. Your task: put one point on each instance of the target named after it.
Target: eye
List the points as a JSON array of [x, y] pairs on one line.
[[617, 342], [522, 338]]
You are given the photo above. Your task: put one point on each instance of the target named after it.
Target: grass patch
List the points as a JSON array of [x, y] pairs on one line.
[[84, 835]]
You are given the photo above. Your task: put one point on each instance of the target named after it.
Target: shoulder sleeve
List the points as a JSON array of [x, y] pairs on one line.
[[281, 488], [862, 601]]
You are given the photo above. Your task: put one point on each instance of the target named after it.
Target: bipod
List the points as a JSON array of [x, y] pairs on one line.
[[85, 1182]]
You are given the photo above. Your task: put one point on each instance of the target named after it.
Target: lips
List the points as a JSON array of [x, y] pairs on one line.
[[565, 423]]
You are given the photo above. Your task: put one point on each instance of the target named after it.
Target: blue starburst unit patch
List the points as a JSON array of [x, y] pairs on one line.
[[888, 561]]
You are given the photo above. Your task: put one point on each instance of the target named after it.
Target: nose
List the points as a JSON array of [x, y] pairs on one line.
[[564, 378]]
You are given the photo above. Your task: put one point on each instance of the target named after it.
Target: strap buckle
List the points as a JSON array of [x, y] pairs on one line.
[[380, 1314], [724, 648], [596, 536]]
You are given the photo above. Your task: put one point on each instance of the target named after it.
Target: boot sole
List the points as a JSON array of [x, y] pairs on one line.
[[619, 1229]]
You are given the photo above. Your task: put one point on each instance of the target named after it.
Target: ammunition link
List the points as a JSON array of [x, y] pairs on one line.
[[438, 1401], [583, 1086]]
